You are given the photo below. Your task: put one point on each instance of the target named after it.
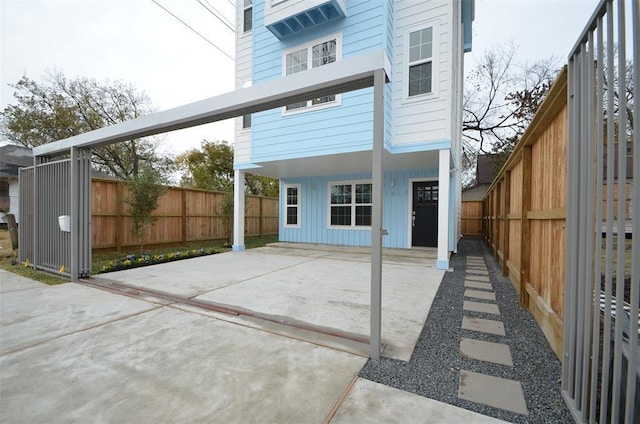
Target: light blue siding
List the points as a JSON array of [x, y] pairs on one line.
[[346, 127], [314, 210]]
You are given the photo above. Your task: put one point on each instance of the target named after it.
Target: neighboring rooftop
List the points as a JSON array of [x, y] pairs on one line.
[[13, 157]]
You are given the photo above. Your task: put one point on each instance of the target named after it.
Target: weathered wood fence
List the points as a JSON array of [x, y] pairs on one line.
[[524, 214], [184, 215], [471, 217]]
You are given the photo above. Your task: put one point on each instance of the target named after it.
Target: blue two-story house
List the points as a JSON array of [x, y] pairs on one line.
[[321, 148]]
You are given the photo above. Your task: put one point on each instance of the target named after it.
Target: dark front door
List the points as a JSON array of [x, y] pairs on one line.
[[425, 214]]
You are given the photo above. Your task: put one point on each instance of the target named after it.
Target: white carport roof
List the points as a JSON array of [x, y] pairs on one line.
[[347, 75], [366, 70]]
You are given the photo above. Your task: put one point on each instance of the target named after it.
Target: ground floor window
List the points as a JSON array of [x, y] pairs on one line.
[[350, 204], [292, 213]]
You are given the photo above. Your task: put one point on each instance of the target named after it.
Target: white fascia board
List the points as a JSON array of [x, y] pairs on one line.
[[350, 74]]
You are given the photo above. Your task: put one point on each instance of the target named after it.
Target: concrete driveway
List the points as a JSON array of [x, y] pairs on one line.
[[323, 289], [72, 353]]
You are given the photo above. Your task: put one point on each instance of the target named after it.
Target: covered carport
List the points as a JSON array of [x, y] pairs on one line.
[[58, 185]]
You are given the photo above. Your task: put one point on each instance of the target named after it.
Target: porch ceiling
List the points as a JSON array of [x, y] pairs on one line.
[[345, 163]]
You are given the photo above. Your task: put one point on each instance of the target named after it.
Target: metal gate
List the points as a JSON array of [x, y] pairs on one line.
[[55, 214], [601, 370]]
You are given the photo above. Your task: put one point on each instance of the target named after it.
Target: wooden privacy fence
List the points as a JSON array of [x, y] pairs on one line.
[[184, 215], [524, 214], [471, 217]]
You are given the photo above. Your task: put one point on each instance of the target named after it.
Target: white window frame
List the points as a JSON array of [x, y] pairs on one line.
[[298, 205], [353, 205], [244, 9], [242, 122], [435, 26], [309, 46]]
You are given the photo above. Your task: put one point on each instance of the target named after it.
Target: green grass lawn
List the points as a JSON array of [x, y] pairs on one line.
[[99, 260]]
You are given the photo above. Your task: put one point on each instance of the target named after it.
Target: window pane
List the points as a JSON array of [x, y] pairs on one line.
[[248, 19], [363, 193], [324, 99], [363, 215], [324, 53], [296, 62], [296, 106], [420, 79], [341, 194], [341, 215], [421, 44], [292, 215], [292, 195], [246, 121]]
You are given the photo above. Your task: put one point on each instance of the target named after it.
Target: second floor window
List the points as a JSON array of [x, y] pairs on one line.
[[248, 15], [315, 55], [420, 61]]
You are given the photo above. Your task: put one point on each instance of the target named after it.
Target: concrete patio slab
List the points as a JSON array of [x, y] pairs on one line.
[[311, 285], [487, 308], [370, 402], [493, 391], [498, 353], [10, 282], [29, 317], [335, 293], [168, 365], [192, 277]]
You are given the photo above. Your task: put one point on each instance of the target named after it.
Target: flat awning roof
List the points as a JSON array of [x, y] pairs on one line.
[[350, 74]]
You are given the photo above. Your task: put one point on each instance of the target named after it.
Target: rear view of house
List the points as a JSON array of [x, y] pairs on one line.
[[321, 148]]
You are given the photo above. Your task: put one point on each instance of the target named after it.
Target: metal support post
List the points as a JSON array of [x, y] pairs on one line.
[[238, 211], [376, 214]]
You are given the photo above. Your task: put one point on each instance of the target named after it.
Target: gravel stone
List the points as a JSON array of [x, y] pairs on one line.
[[434, 368]]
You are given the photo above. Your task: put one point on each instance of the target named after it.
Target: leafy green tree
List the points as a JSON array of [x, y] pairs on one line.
[[145, 191], [57, 108], [211, 168]]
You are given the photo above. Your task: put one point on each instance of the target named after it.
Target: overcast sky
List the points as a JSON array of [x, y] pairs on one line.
[[136, 41]]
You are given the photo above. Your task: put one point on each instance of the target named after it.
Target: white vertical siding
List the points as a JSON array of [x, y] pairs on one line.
[[244, 65], [428, 118]]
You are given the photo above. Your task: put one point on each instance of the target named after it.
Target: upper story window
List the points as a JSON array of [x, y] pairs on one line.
[[246, 121], [350, 204], [248, 15], [420, 61], [313, 55]]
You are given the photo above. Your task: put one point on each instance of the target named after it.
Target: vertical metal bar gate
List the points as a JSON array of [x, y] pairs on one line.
[[601, 368], [48, 191]]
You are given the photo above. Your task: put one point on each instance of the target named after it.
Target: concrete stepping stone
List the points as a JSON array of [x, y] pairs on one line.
[[483, 325], [479, 278], [480, 294], [487, 308], [498, 353], [493, 391], [477, 272], [477, 285]]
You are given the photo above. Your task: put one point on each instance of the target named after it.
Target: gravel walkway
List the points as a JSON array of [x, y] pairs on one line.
[[434, 369]]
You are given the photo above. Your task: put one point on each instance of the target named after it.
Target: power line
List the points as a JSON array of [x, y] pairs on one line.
[[216, 13], [192, 29]]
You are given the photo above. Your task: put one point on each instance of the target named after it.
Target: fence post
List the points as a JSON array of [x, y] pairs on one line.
[[507, 206], [260, 218], [119, 226], [183, 218], [497, 221], [525, 226]]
